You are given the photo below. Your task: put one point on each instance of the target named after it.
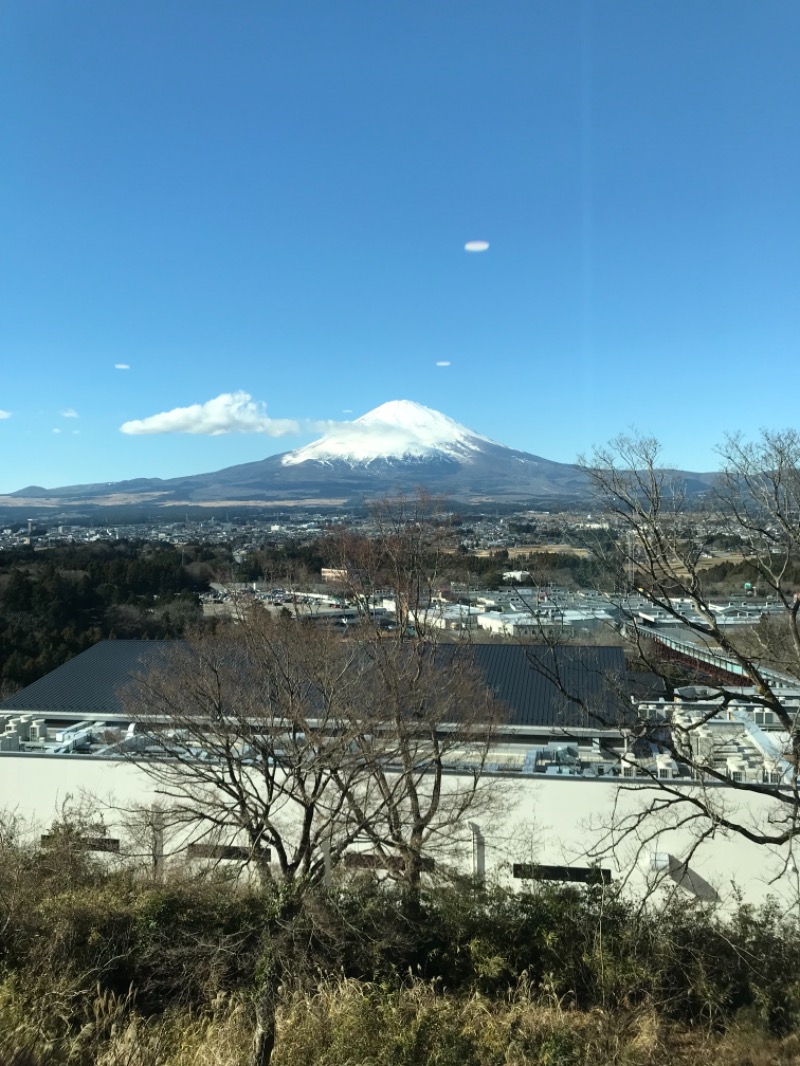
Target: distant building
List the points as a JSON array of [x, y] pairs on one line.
[[334, 575]]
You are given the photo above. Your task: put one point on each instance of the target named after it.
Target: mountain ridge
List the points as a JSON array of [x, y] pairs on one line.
[[398, 447]]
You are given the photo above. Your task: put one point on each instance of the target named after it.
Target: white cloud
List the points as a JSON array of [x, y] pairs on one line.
[[121, 366], [4, 414], [56, 429], [321, 425], [232, 412], [443, 362], [476, 246], [70, 412]]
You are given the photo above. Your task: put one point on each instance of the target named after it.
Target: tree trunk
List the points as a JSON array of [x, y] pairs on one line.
[[263, 1045], [264, 1036], [276, 961], [412, 883]]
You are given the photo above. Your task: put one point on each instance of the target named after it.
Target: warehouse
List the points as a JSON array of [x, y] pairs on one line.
[[570, 797]]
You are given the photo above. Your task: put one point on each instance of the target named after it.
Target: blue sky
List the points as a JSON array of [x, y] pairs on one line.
[[263, 207]]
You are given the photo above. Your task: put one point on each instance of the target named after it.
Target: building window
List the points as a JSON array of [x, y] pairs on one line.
[[582, 875], [370, 860], [223, 851]]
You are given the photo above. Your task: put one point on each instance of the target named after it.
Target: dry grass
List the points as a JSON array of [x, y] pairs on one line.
[[353, 1024], [350, 1023]]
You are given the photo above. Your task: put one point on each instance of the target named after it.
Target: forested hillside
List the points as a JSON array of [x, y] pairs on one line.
[[57, 603]]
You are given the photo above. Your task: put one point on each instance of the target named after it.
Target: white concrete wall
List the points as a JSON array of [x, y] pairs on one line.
[[554, 820]]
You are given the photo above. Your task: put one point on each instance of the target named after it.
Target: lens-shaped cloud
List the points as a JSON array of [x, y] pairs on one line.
[[121, 366], [70, 412], [231, 412], [476, 246], [4, 414], [443, 362]]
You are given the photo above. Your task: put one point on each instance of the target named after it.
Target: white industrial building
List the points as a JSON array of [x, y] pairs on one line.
[[572, 799]]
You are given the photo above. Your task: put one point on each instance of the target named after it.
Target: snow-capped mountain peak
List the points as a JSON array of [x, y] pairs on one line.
[[400, 429]]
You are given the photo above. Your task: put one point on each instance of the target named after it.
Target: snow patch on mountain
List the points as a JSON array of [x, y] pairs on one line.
[[400, 429]]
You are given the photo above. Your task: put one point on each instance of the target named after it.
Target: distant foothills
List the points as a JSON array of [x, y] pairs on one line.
[[399, 447]]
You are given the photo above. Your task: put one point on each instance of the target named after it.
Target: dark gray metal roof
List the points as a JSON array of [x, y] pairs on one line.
[[90, 682], [522, 677], [529, 680]]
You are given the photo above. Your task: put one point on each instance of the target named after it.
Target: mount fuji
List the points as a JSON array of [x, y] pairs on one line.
[[398, 430], [398, 447]]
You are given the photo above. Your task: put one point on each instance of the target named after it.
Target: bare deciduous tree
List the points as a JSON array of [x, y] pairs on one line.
[[249, 740], [406, 554], [246, 734], [435, 711], [657, 548], [435, 715], [292, 744]]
